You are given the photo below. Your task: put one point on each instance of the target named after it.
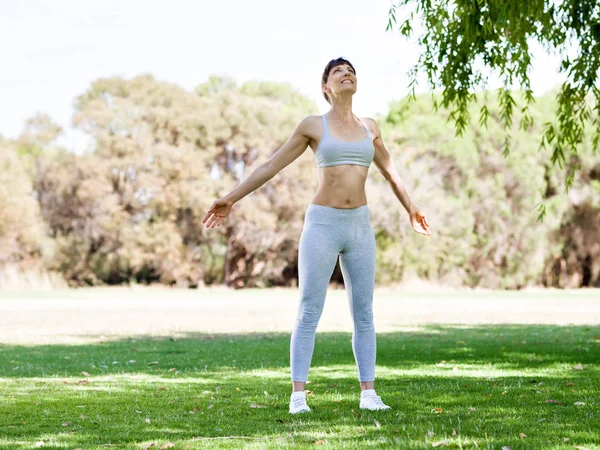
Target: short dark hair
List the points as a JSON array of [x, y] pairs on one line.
[[330, 65]]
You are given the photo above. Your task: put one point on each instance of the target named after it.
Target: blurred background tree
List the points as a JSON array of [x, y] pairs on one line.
[[130, 209]]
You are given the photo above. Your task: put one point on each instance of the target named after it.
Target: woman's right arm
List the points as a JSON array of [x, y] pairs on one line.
[[292, 149]]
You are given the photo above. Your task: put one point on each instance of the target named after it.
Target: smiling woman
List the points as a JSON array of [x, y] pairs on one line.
[[336, 224]]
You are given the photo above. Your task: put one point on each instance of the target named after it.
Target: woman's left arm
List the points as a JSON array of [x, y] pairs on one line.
[[383, 161]]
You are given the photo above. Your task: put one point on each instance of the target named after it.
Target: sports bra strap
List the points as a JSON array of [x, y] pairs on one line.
[[366, 128], [325, 128]]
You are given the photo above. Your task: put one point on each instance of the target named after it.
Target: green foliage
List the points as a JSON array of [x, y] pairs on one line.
[[483, 207], [21, 225], [461, 37], [131, 210], [162, 155]]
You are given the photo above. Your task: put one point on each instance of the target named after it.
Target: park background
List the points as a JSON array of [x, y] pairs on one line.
[[117, 140], [125, 323]]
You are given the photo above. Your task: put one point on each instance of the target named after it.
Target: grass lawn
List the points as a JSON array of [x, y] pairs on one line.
[[450, 385]]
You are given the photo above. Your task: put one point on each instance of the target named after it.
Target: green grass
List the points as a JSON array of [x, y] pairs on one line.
[[493, 386]]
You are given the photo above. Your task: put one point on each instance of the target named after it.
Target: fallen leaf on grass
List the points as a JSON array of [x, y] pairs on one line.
[[85, 373], [377, 424], [554, 401], [149, 445], [153, 362], [39, 444], [578, 367], [254, 405], [66, 424], [522, 435], [453, 432], [147, 420], [167, 445], [579, 403], [320, 442], [437, 410], [439, 443], [172, 369], [506, 447]]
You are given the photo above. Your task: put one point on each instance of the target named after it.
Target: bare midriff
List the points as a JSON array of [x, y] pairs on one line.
[[341, 186]]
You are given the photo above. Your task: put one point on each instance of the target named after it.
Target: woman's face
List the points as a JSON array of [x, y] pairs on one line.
[[341, 80]]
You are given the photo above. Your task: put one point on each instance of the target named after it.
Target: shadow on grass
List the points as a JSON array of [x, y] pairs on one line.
[[508, 346], [489, 383]]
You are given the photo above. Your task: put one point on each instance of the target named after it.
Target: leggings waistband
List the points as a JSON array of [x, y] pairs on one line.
[[332, 215]]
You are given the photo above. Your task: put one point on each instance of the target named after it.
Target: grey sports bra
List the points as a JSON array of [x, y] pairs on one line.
[[333, 152]]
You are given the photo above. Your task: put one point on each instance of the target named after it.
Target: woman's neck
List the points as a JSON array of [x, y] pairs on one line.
[[342, 111]]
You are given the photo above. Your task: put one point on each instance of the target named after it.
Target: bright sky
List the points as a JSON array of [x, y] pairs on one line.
[[52, 51]]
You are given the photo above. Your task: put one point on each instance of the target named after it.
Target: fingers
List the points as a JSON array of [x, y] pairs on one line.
[[421, 227], [425, 224], [208, 214], [214, 221]]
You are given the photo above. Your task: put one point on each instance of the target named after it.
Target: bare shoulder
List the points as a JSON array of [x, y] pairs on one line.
[[309, 126], [372, 126]]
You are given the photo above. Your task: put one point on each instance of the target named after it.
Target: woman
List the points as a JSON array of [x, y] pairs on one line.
[[337, 222]]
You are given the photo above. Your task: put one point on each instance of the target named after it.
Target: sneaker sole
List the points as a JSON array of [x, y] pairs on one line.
[[375, 409]]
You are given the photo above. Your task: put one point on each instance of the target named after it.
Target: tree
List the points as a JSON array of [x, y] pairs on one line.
[[461, 34], [132, 208]]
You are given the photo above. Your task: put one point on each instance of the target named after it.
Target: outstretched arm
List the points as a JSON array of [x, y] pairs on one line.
[[292, 149], [384, 162]]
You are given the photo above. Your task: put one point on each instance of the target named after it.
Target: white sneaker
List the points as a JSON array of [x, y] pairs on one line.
[[372, 402], [298, 404]]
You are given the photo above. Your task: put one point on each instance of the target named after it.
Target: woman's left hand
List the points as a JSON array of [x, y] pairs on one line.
[[419, 222]]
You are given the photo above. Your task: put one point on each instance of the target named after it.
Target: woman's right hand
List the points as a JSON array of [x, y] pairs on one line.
[[217, 212]]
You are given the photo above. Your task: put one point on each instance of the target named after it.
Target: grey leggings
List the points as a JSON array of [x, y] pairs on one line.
[[327, 233]]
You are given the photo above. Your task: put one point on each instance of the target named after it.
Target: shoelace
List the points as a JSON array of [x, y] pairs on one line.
[[376, 399], [299, 401]]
